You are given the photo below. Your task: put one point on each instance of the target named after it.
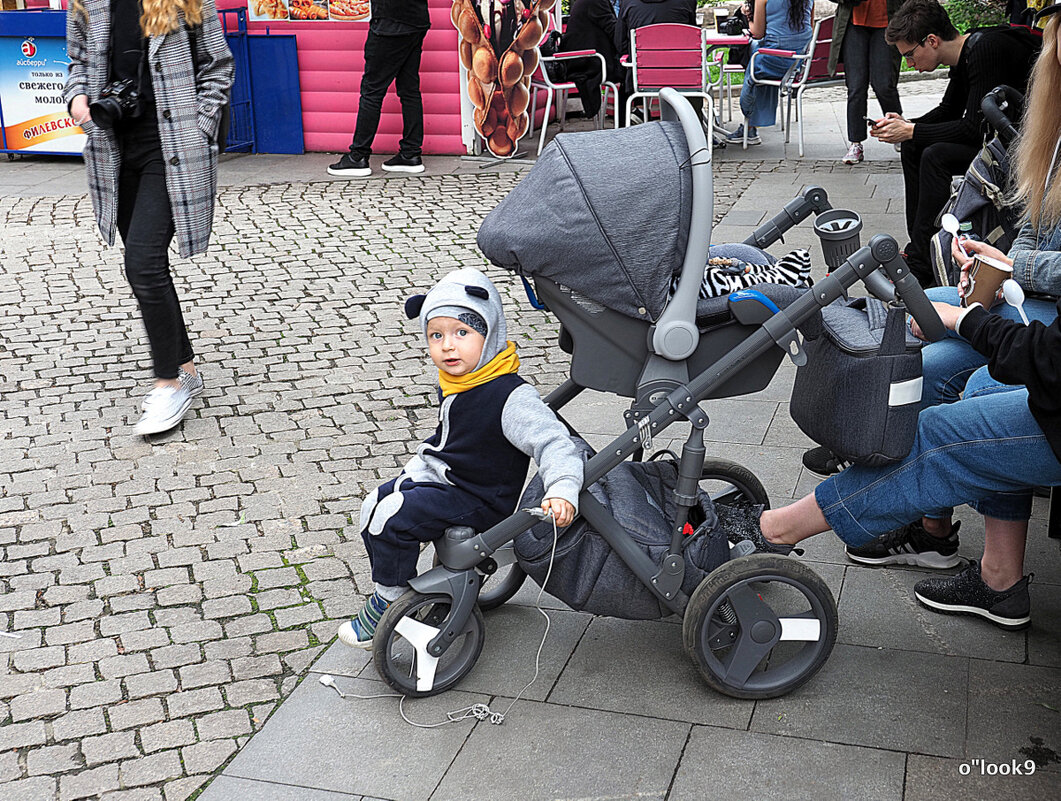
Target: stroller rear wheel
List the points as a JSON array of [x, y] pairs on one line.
[[499, 586], [760, 626], [729, 483], [399, 651]]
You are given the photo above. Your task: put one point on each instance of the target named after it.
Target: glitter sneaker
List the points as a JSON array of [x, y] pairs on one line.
[[966, 594]]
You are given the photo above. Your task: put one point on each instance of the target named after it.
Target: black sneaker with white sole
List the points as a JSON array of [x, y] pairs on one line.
[[823, 462], [403, 163], [910, 545], [966, 593], [351, 166]]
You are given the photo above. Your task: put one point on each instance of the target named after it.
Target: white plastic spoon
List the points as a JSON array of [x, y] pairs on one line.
[[1014, 296], [951, 226]]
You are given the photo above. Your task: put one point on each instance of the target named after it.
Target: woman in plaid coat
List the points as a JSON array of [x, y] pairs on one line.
[[152, 169]]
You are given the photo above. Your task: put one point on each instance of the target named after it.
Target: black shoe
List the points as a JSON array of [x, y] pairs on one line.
[[741, 522], [910, 545], [823, 462], [967, 594], [350, 166], [403, 163]]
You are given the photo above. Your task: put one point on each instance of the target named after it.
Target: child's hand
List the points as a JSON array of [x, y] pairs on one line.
[[562, 511]]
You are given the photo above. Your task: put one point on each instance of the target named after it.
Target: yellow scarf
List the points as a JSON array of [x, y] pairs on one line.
[[502, 364]]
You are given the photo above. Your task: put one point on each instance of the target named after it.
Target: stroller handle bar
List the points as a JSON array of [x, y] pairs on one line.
[[998, 105]]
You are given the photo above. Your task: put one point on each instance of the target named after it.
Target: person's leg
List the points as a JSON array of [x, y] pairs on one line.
[[963, 451], [940, 162], [884, 72], [1002, 564], [407, 85], [145, 222], [381, 67], [856, 58], [910, 157]]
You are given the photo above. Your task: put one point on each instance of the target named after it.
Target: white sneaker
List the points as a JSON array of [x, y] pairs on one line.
[[854, 154], [164, 408], [193, 383]]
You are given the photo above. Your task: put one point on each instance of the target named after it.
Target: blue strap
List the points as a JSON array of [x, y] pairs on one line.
[[753, 294], [533, 298]]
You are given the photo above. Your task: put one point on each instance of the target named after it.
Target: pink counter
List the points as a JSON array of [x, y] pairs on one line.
[[330, 65]]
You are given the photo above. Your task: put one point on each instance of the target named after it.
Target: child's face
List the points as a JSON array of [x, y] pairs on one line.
[[454, 346]]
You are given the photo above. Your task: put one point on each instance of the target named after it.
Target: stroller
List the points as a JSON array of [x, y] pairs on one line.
[[759, 625]]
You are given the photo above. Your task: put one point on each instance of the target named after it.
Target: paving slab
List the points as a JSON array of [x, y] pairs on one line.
[[641, 668], [229, 787], [934, 779], [546, 752], [353, 745], [720, 764], [882, 601], [870, 697], [1014, 713]]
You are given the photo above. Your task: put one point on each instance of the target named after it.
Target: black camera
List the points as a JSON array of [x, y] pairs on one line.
[[119, 100]]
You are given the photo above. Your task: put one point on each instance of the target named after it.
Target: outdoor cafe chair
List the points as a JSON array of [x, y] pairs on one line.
[[668, 54], [541, 82]]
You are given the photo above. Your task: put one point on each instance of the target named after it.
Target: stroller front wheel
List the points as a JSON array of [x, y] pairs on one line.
[[399, 651], [760, 626]]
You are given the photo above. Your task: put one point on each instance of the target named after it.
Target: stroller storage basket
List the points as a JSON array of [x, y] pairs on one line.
[[859, 392], [588, 575]]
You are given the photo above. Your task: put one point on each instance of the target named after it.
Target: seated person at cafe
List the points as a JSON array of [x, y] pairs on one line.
[[943, 142]]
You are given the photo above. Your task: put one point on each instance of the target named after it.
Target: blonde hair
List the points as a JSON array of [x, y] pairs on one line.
[[1033, 151], [158, 16]]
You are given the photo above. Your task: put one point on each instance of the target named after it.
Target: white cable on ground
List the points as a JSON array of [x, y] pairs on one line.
[[477, 711]]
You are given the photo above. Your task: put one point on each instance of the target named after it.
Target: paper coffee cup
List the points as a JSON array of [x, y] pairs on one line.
[[983, 280]]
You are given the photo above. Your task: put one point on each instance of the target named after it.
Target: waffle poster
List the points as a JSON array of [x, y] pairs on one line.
[[309, 10], [32, 76]]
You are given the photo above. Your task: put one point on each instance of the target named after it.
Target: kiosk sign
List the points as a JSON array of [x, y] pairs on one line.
[[32, 76]]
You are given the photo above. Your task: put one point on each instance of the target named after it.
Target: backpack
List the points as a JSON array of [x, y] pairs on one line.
[[979, 198]]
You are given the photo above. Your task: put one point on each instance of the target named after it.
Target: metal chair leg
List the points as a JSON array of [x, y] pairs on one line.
[[545, 121]]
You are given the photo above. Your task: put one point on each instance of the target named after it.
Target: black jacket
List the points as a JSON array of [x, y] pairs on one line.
[[591, 26], [1019, 354], [639, 13], [399, 16]]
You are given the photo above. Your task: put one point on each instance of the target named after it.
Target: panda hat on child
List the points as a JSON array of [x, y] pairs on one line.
[[469, 296]]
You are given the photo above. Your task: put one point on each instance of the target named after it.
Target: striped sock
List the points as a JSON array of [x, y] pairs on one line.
[[365, 623]]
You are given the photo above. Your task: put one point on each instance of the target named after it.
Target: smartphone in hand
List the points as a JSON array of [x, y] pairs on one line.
[[872, 123]]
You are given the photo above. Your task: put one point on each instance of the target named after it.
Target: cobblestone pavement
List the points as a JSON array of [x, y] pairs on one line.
[[159, 598]]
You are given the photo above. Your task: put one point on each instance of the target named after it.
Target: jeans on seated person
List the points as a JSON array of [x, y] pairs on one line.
[[986, 450], [947, 364]]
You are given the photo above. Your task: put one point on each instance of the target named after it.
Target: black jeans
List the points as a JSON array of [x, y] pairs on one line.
[[145, 222], [391, 59], [927, 173], [868, 62]]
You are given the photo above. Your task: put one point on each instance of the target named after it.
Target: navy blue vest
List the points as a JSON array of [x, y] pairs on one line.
[[480, 460]]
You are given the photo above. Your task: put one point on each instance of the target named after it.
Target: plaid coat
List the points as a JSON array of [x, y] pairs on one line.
[[189, 93]]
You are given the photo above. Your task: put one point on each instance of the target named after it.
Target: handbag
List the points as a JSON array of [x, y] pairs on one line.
[[859, 393]]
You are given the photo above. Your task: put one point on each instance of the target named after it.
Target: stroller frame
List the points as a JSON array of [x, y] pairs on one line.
[[666, 394]]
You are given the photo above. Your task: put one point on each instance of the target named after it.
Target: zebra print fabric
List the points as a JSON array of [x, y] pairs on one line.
[[723, 276]]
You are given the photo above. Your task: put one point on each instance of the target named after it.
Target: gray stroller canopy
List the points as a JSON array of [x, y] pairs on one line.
[[605, 213]]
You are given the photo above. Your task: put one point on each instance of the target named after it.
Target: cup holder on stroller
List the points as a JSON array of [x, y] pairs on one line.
[[838, 230]]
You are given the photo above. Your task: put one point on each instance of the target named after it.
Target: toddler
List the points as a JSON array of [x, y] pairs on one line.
[[471, 472]]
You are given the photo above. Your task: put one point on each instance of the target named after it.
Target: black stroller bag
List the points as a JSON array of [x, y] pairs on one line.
[[860, 391], [588, 575]]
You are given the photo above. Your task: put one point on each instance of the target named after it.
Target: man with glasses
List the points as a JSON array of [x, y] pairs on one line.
[[942, 143]]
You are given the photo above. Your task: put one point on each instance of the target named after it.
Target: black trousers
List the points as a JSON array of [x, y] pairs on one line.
[[145, 222], [391, 59], [868, 62], [927, 173]]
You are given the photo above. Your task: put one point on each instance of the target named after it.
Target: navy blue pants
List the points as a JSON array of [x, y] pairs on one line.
[[427, 510]]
